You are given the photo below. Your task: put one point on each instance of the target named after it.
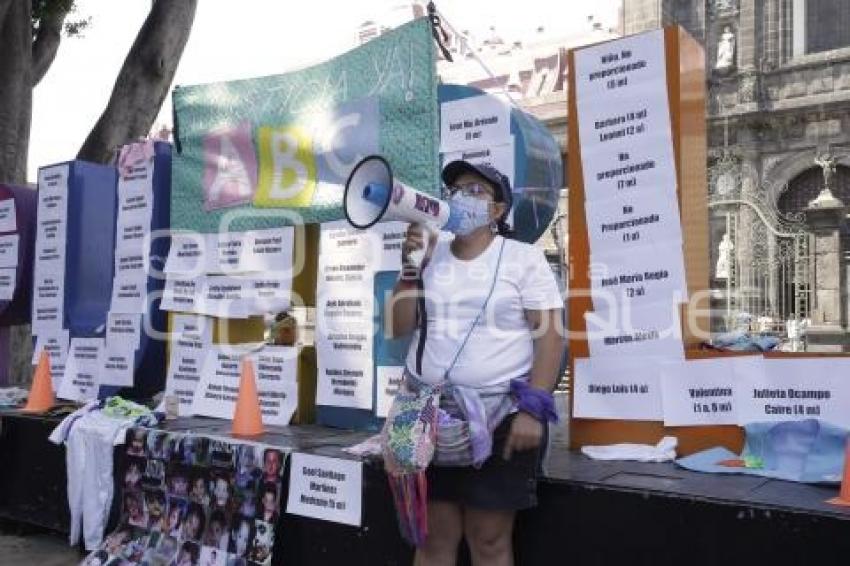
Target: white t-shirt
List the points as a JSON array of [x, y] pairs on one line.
[[500, 347]]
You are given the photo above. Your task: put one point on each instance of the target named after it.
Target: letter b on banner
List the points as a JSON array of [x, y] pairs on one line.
[[287, 168]]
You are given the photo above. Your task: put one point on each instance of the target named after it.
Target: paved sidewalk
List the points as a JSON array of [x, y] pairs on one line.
[[37, 549]]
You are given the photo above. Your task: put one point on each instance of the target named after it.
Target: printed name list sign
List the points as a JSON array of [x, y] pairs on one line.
[[631, 208], [326, 488], [51, 232], [624, 118], [192, 336], [612, 388], [793, 389], [632, 265], [275, 371], [699, 392]]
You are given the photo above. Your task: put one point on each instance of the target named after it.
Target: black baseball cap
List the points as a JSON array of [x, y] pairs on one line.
[[500, 182]]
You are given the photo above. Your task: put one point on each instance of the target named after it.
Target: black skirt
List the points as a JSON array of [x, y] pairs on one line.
[[498, 485]]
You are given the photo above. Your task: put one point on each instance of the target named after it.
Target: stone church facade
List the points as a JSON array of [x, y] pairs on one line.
[[778, 114]]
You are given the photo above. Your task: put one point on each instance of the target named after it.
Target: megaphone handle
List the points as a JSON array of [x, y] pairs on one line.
[[416, 257]]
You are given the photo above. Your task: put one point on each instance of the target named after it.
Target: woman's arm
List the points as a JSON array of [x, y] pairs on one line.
[[546, 330], [526, 431], [400, 311]]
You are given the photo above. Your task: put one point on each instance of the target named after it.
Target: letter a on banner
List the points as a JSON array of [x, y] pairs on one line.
[[230, 167], [287, 168]]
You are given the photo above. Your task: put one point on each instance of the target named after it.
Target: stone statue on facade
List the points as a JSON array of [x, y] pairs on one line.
[[826, 199], [725, 50], [724, 257], [827, 163]]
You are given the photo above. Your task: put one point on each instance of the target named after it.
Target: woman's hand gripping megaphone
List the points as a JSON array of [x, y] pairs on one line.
[[417, 248]]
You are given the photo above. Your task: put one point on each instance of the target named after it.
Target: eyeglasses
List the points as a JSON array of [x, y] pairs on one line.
[[468, 189]]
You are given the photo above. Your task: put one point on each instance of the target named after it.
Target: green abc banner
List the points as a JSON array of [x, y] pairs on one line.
[[273, 151]]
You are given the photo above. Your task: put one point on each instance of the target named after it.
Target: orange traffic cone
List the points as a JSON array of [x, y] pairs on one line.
[[41, 393], [247, 418], [844, 495]]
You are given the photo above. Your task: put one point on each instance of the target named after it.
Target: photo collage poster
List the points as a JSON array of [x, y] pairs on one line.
[[189, 500]]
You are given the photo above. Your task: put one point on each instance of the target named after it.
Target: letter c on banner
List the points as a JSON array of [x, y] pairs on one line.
[[330, 145]]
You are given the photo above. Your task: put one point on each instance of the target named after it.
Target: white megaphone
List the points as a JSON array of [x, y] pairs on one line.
[[372, 196]]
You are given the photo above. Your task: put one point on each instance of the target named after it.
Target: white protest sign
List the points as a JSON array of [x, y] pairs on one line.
[[351, 256], [228, 252], [275, 371], [345, 372], [623, 117], [196, 330], [224, 296], [325, 488], [641, 331], [85, 362], [191, 253], [646, 275], [56, 345], [218, 387], [500, 156], [699, 392], [118, 366], [135, 205], [266, 294], [339, 306], [51, 231], [8, 219], [7, 283], [131, 264], [135, 201], [620, 224], [342, 271], [184, 373], [123, 331], [129, 295], [388, 379], [191, 338], [265, 251], [50, 250], [339, 237], [181, 293], [131, 234], [475, 121], [617, 388], [793, 389], [52, 192], [48, 302], [9, 250]]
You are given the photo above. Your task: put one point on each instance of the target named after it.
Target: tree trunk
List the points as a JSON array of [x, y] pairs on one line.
[[143, 81], [46, 43], [15, 89]]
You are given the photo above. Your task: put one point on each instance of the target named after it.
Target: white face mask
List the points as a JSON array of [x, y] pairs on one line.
[[474, 213]]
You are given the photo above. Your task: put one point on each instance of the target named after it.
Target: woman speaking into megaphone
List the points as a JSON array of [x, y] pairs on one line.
[[484, 314]]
